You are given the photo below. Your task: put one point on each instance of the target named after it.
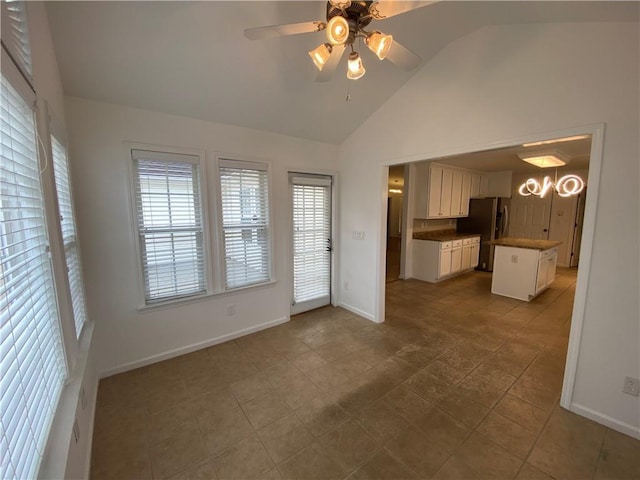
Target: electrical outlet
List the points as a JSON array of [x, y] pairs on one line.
[[631, 386], [231, 309], [514, 259], [357, 235]]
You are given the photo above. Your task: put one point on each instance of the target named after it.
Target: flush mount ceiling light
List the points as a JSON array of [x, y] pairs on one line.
[[546, 159], [347, 21]]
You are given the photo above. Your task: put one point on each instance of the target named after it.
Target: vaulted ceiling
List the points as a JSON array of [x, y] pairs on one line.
[[192, 59]]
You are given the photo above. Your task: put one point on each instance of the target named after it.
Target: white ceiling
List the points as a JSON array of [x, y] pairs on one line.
[[191, 58]]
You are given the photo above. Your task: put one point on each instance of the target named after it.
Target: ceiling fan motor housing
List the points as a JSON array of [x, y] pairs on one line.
[[357, 16]]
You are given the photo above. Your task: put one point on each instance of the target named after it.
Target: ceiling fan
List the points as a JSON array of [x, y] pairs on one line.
[[347, 20]]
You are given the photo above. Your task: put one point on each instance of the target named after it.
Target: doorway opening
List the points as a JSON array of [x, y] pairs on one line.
[[561, 306], [395, 202]]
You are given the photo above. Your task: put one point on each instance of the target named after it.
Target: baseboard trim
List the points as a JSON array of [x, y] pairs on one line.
[[190, 348], [606, 420], [357, 311], [91, 426]]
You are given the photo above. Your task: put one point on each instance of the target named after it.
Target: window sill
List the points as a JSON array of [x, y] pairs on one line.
[[203, 297]]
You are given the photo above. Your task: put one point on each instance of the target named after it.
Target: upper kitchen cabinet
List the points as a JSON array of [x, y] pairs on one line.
[[447, 191]]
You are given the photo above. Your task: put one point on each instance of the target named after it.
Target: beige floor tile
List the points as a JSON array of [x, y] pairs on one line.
[[285, 437], [221, 432], [535, 392], [479, 458], [265, 410], [349, 443], [308, 361], [619, 458], [407, 404], [494, 376], [176, 453], [416, 356], [168, 422], [416, 450], [134, 466], [569, 446], [529, 472], [445, 372], [463, 407], [247, 459], [521, 412], [427, 386], [314, 462], [444, 430], [381, 421], [202, 471], [383, 467], [481, 391], [327, 377], [508, 434], [214, 404], [250, 388], [321, 415]]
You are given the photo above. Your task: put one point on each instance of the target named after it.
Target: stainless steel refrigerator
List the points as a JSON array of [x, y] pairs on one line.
[[490, 218]]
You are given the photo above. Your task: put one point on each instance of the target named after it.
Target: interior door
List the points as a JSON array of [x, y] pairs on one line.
[[311, 207], [530, 217]]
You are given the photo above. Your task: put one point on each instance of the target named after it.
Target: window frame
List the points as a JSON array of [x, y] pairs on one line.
[[211, 205], [250, 164], [202, 175]]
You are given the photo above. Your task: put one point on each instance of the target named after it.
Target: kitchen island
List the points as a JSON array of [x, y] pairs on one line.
[[523, 268]]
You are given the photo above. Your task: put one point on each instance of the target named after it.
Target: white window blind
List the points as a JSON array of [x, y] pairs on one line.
[[170, 226], [69, 235], [245, 223], [15, 34], [31, 354], [311, 234]]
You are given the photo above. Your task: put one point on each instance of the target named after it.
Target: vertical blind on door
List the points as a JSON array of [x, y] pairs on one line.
[[244, 192], [170, 225], [69, 235], [311, 234], [32, 360]]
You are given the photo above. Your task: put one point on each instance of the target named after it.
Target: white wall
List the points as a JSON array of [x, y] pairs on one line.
[[64, 457], [125, 336], [506, 83]]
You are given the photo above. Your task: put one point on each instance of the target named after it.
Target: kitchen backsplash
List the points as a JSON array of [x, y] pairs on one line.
[[422, 225]]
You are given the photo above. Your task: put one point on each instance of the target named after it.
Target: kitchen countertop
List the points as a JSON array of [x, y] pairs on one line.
[[443, 236], [525, 243]]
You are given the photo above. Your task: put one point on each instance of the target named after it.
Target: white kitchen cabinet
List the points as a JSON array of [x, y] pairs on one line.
[[439, 197], [465, 194], [456, 193], [467, 248], [475, 252], [479, 185], [456, 256], [434, 260], [522, 273]]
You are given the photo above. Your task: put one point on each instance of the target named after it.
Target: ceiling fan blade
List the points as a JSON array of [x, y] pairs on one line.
[[271, 31], [326, 73], [403, 57], [389, 8]]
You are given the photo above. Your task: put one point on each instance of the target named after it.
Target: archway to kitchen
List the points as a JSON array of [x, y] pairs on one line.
[[589, 168]]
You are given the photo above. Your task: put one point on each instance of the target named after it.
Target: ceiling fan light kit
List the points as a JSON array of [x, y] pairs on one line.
[[347, 21], [321, 55], [355, 69]]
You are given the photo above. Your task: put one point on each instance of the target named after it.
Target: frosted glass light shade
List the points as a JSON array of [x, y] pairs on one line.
[[337, 30], [320, 55], [379, 43], [341, 4], [355, 69]]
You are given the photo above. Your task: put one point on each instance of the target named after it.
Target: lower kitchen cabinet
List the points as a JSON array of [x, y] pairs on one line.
[[435, 260]]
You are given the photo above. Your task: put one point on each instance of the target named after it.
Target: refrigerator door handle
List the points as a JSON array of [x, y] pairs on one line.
[[505, 220]]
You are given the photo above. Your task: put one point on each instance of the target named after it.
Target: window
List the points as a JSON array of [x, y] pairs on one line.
[[245, 223], [32, 360], [15, 34], [69, 235], [170, 225]]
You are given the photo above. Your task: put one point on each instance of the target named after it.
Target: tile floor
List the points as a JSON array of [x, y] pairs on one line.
[[456, 384]]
